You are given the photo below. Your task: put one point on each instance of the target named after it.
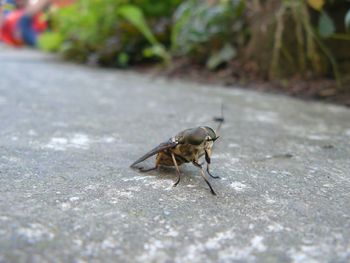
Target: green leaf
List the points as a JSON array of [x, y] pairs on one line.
[[134, 15], [123, 59], [157, 51], [152, 51], [50, 41], [225, 54], [347, 20], [326, 25]]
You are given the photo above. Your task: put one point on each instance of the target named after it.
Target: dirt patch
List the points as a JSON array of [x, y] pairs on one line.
[[320, 89]]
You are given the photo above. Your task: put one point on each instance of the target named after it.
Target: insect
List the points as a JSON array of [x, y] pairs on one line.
[[187, 146]]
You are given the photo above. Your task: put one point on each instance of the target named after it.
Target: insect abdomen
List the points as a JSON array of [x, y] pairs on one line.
[[164, 158]]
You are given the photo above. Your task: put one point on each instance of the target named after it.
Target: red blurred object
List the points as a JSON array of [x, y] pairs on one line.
[[8, 31], [39, 23]]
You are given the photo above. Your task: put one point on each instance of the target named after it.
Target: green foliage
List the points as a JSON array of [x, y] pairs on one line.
[[111, 32], [134, 15], [50, 41], [291, 36], [347, 20], [327, 30], [225, 54], [301, 46], [156, 8], [206, 27], [86, 27], [326, 25]]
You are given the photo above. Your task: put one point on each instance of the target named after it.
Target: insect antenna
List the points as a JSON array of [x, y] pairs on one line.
[[220, 119]]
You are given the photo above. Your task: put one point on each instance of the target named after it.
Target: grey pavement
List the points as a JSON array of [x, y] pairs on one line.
[[68, 134]]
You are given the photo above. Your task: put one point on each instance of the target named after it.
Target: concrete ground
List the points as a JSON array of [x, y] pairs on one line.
[[68, 134]]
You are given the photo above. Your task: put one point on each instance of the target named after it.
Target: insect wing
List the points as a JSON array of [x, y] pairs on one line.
[[161, 147]]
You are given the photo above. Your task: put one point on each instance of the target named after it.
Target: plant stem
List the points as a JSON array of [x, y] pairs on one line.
[[277, 43]]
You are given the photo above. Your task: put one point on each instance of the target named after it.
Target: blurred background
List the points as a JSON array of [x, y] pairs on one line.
[[298, 47], [70, 132]]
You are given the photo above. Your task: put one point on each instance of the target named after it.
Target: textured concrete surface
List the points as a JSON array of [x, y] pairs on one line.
[[69, 133]]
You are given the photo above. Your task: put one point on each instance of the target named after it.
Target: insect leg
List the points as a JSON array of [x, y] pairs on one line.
[[148, 170], [177, 169], [207, 158], [203, 175], [212, 176]]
